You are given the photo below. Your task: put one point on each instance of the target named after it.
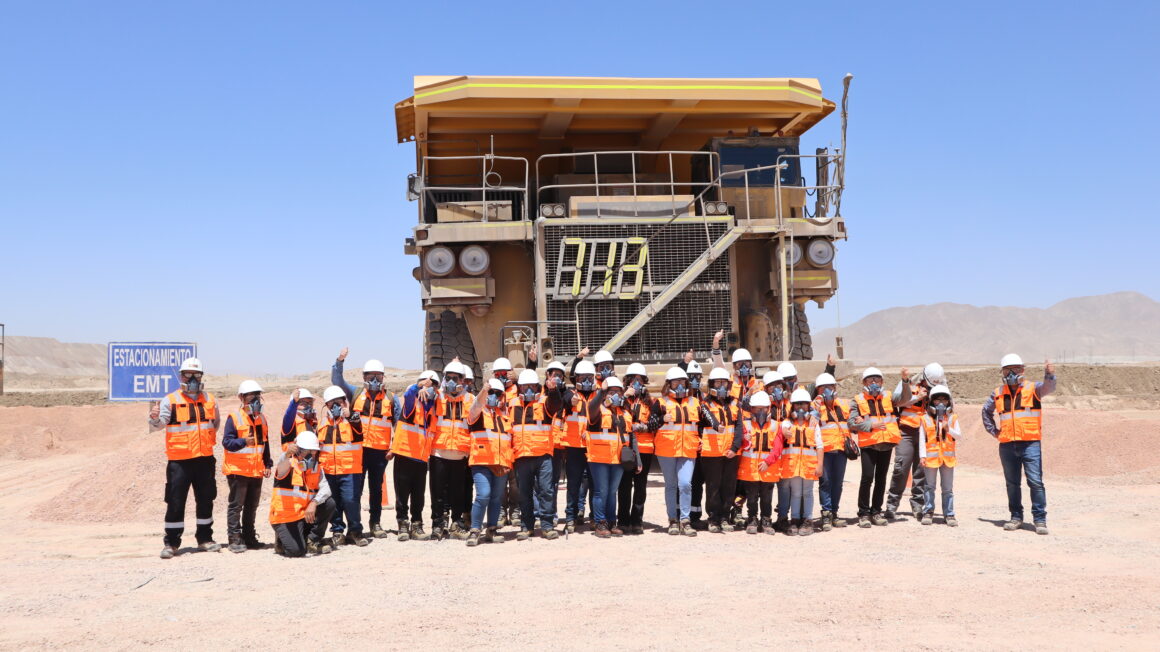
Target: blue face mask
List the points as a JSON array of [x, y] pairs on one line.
[[801, 413], [828, 394], [680, 391], [493, 400], [745, 371], [529, 395], [637, 386], [777, 393], [193, 387], [875, 389], [1012, 378], [255, 407], [309, 463], [452, 387], [374, 385], [616, 400], [604, 373], [586, 384], [695, 383], [719, 392], [761, 417], [336, 411], [307, 412]]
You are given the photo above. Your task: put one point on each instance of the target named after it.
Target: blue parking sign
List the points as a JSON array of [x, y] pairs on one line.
[[146, 371]]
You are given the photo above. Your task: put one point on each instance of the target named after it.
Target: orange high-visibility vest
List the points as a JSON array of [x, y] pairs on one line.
[[341, 446], [451, 432], [834, 422], [292, 494], [714, 443], [376, 419], [679, 438], [606, 437], [300, 425], [641, 411], [412, 437], [491, 440], [190, 432], [531, 429], [1020, 413], [739, 389], [760, 442], [940, 445], [249, 461], [799, 459], [912, 414], [879, 411], [575, 421]]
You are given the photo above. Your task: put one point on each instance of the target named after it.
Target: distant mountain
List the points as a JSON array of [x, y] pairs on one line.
[[44, 355], [1118, 327]]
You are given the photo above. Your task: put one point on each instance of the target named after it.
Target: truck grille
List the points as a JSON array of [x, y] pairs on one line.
[[577, 256]]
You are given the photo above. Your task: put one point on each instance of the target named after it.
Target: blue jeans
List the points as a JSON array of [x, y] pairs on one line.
[[347, 491], [575, 465], [1025, 455], [944, 477], [489, 491], [537, 491], [830, 484], [795, 498], [605, 483], [678, 472]]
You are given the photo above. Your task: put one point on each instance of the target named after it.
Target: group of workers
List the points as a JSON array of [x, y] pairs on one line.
[[747, 445]]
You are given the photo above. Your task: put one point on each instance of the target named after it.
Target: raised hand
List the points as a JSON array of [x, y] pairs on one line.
[[343, 353], [717, 338], [689, 356], [155, 411], [584, 352], [1049, 367]]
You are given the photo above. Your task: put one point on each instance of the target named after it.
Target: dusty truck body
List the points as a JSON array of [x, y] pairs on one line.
[[636, 215]]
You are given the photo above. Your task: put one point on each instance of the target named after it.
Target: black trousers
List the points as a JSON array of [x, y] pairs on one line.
[[180, 475], [759, 494], [698, 491], [410, 486], [448, 490], [875, 469], [720, 476], [374, 470], [293, 536], [245, 493], [631, 493]]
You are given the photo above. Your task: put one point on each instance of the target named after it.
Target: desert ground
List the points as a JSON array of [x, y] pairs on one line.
[[81, 488]]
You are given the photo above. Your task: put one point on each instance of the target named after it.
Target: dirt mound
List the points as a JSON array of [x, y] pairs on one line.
[[45, 355]]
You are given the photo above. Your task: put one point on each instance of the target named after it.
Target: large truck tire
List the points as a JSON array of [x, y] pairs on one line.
[[447, 338], [801, 344]]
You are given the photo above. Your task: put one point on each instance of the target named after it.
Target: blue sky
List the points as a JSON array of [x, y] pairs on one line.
[[227, 172]]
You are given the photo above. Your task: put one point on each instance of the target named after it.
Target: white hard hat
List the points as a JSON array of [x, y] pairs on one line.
[[528, 377], [556, 364], [786, 369], [742, 355], [871, 371], [585, 367], [1009, 360], [825, 379], [191, 364], [495, 383], [693, 367], [468, 373], [333, 392], [800, 396], [759, 399], [940, 389], [248, 386], [454, 367], [501, 364], [933, 374], [771, 377], [602, 356], [429, 375], [304, 393], [719, 373], [636, 369], [306, 440], [675, 373], [613, 381], [374, 367]]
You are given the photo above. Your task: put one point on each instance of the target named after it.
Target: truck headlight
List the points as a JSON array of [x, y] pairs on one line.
[[439, 261], [793, 255], [474, 260], [820, 252]]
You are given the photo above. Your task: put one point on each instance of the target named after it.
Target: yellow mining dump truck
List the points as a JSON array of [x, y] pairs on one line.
[[635, 215]]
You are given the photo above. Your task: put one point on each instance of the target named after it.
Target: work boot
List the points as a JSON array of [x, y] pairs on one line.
[[602, 530], [714, 527], [878, 519], [551, 534], [1041, 527], [236, 544], [168, 552], [782, 525], [890, 515], [377, 531], [928, 519], [515, 517], [674, 527], [209, 546], [792, 529], [418, 533], [751, 527], [313, 548], [570, 527], [438, 533], [769, 527], [726, 526], [404, 531], [837, 521], [337, 539], [805, 527], [863, 521], [523, 534], [279, 550], [952, 521], [1013, 524], [331, 542], [252, 542], [472, 538], [638, 529], [357, 539], [459, 531], [492, 536], [687, 528], [616, 530], [696, 523], [827, 524]]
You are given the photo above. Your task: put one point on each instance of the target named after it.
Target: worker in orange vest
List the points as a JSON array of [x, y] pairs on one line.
[[1019, 405], [556, 381], [833, 413], [800, 464], [571, 402], [301, 503], [246, 440], [761, 448], [719, 451], [745, 381], [340, 435], [451, 443], [607, 435], [677, 441], [874, 420], [633, 487], [907, 459], [299, 417], [533, 447], [411, 444], [490, 459], [190, 419], [938, 432]]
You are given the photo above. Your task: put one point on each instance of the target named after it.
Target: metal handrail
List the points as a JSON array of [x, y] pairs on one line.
[[484, 187]]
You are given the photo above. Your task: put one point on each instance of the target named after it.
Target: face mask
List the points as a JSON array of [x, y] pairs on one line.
[[801, 414], [374, 385], [529, 395], [335, 411], [193, 387], [255, 407], [680, 391], [309, 463], [791, 382], [745, 371], [828, 394], [695, 383], [452, 387], [761, 417], [507, 382], [492, 400], [875, 389], [637, 386], [719, 392], [307, 413], [586, 385], [616, 400], [777, 393], [604, 373], [1012, 378]]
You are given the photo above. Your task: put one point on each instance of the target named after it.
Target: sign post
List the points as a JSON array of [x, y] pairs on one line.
[[146, 371]]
